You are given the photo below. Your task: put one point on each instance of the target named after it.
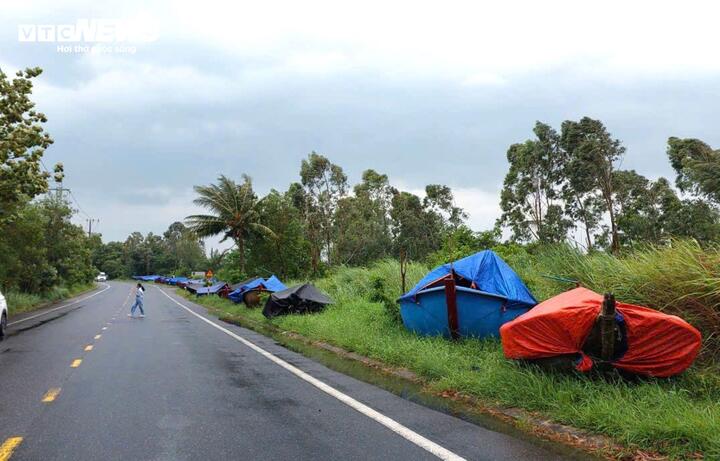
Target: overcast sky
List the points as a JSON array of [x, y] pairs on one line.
[[425, 92]]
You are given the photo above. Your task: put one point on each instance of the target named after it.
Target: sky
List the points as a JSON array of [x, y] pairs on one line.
[[180, 92]]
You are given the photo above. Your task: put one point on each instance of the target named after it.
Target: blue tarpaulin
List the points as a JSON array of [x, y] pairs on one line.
[[146, 278], [485, 271], [211, 289], [271, 284]]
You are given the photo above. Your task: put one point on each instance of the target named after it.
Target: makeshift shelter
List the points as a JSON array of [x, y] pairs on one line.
[[297, 299], [649, 342], [470, 297], [271, 284], [211, 290]]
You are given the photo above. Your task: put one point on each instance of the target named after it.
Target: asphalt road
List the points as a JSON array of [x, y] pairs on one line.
[[181, 385]]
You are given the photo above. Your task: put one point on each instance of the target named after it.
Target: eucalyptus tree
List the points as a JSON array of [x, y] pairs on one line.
[[233, 214], [595, 153], [325, 184], [697, 166], [531, 196]]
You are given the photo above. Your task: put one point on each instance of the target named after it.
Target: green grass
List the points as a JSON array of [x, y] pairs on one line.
[[678, 417], [24, 302]]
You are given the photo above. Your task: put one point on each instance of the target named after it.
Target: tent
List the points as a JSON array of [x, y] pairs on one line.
[[484, 271], [211, 290], [654, 343], [146, 278], [297, 299], [271, 284]]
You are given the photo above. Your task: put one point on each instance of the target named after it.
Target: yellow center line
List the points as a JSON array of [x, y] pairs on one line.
[[98, 336], [51, 395], [7, 448], [88, 348], [76, 363]]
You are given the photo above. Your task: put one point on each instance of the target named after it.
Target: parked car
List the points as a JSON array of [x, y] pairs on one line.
[[3, 316], [101, 277]]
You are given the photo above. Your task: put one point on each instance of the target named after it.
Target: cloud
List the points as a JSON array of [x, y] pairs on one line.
[[425, 92]]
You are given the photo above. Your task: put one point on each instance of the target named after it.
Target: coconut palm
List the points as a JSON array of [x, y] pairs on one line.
[[234, 213]]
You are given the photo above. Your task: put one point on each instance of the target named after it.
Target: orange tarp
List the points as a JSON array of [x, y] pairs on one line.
[[658, 344]]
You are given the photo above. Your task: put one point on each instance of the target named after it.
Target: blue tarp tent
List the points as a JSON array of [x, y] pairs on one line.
[[484, 271], [213, 289], [146, 278], [271, 284]]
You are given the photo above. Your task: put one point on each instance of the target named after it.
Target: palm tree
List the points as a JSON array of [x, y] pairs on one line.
[[234, 210]]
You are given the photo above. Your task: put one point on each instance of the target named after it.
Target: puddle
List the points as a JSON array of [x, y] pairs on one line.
[[415, 393]]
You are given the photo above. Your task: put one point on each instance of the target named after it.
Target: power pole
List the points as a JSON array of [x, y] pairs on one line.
[[90, 222]]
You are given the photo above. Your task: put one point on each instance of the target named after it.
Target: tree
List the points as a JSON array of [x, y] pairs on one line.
[[439, 198], [235, 213], [287, 255], [325, 184], [363, 221], [416, 231], [461, 242], [530, 199], [583, 202], [22, 143], [184, 250], [595, 153], [642, 207], [697, 166]]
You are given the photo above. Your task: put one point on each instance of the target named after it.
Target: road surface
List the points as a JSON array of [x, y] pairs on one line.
[[85, 382]]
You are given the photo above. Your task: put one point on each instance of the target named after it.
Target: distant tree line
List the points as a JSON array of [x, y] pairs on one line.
[[569, 182], [177, 251], [320, 221]]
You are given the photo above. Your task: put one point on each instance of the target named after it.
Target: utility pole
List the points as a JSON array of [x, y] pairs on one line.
[[90, 222]]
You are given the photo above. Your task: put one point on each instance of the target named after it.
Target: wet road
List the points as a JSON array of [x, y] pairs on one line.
[[85, 382]]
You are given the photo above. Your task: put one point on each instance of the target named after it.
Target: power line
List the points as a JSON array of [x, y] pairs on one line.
[[78, 204]]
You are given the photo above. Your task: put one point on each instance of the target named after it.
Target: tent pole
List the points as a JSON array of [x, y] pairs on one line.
[[607, 327], [451, 301]]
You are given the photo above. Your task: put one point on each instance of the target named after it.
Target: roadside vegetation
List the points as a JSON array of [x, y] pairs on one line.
[[44, 257], [678, 417], [19, 302]]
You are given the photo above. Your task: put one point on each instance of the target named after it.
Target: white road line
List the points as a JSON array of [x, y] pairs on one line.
[[107, 287], [408, 434]]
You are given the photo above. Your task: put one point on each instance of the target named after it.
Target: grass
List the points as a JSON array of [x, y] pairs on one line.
[[24, 302], [677, 417]]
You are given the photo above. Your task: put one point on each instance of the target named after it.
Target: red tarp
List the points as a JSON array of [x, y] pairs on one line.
[[658, 344]]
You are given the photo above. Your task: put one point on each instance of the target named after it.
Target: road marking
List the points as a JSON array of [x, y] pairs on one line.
[[51, 395], [7, 448], [76, 363], [107, 287], [88, 348], [104, 328], [98, 336], [405, 432]]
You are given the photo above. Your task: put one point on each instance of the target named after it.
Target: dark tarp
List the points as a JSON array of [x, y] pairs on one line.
[[297, 299]]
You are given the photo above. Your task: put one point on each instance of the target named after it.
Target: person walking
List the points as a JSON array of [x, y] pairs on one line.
[[139, 294]]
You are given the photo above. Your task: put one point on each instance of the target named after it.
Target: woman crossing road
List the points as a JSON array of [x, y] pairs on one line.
[[139, 293]]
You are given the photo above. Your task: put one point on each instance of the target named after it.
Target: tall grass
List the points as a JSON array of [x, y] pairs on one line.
[[681, 279]]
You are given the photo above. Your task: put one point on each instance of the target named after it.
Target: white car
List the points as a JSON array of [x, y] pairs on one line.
[[3, 316], [101, 277]]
